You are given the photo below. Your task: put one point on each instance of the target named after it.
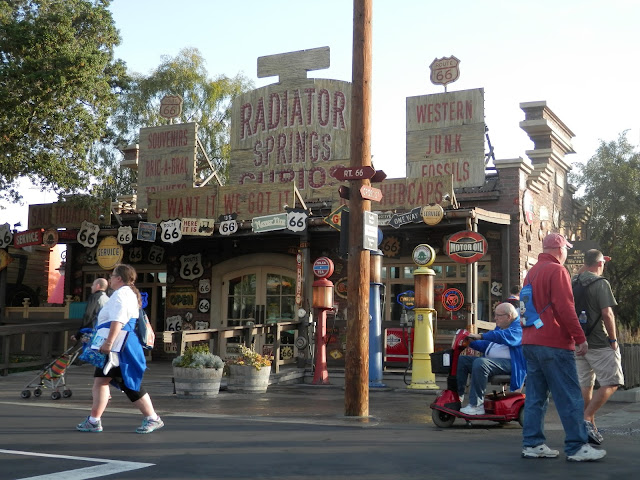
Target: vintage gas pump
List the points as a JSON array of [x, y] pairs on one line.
[[375, 322], [422, 378], [322, 301]]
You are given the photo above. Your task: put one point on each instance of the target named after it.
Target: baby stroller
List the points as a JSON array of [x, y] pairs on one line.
[[53, 375]]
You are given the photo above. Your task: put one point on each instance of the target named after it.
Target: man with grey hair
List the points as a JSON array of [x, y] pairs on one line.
[[96, 301], [502, 348], [603, 360]]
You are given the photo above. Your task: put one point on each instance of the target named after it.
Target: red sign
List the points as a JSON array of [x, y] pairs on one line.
[[398, 341], [466, 247], [323, 267], [28, 237], [371, 193], [452, 299], [354, 173], [68, 234]]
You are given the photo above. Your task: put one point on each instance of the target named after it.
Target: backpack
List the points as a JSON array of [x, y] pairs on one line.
[[529, 316], [580, 300], [144, 331]]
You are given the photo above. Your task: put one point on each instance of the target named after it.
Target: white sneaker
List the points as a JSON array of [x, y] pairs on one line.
[[587, 454], [461, 398], [471, 410], [541, 451]]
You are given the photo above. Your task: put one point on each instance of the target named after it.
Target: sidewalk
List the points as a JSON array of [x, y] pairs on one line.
[[286, 403]]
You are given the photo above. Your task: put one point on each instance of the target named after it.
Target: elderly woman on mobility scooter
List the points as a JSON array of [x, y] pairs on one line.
[[502, 349]]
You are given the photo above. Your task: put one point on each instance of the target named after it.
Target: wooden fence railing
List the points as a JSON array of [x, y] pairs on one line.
[[43, 340], [631, 364], [246, 332]]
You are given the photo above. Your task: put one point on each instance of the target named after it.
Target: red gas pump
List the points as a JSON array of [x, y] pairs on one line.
[[322, 301]]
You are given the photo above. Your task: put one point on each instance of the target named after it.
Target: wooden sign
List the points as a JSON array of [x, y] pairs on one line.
[[186, 203], [445, 136], [351, 173], [408, 193], [167, 157], [69, 214], [297, 128], [371, 193]]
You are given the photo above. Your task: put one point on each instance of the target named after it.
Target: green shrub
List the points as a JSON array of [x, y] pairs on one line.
[[198, 356]]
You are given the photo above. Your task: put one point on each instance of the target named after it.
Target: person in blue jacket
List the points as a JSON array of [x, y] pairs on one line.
[[502, 355]]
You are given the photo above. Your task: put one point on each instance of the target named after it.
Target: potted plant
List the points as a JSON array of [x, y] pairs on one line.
[[248, 372], [197, 373]]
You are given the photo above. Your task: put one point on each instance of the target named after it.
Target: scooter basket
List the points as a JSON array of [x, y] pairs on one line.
[[441, 361]]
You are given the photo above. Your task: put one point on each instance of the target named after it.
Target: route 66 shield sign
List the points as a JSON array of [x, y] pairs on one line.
[[444, 70], [171, 230]]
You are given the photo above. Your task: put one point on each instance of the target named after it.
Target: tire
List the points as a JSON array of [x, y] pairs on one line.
[[67, 393], [25, 394], [37, 392], [442, 419], [521, 416], [56, 396]]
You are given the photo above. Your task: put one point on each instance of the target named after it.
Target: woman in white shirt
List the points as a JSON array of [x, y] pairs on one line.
[[121, 312]]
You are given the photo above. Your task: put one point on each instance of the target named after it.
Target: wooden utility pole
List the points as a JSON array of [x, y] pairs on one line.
[[356, 374]]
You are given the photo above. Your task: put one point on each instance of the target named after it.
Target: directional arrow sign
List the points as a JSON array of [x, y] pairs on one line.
[[399, 219], [371, 193], [354, 173]]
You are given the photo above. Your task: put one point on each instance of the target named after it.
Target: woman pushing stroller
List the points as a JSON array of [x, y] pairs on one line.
[[121, 312]]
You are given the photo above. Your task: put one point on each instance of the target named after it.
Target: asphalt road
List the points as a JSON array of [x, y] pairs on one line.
[[291, 432]]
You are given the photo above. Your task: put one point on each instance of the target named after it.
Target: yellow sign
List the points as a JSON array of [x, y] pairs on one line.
[[5, 259], [335, 218], [109, 253], [50, 237], [432, 214], [182, 297]]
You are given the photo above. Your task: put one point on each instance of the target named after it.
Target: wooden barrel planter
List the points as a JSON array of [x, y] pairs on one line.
[[196, 382], [245, 379]]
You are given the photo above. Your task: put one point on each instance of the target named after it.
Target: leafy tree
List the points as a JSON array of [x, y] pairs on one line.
[[206, 102], [58, 86], [611, 183]]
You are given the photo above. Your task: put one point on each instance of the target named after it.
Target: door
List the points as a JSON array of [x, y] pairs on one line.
[[259, 295]]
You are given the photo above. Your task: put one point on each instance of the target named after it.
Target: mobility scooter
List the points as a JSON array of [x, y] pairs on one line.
[[499, 406]]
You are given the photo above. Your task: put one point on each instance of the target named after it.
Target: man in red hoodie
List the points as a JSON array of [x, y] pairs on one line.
[[548, 348]]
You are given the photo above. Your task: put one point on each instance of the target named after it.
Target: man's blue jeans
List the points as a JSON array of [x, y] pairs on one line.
[[481, 369], [552, 370]]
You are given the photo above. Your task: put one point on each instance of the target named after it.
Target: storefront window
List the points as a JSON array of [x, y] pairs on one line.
[[242, 298], [280, 297]]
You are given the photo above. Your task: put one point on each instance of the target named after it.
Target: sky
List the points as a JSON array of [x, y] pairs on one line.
[[580, 56]]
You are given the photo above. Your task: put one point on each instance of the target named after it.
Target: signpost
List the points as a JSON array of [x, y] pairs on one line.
[[352, 173], [371, 193]]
